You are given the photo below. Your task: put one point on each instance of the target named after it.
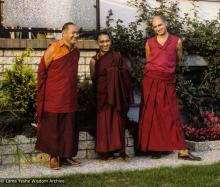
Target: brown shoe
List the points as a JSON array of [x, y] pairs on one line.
[[54, 163], [70, 162]]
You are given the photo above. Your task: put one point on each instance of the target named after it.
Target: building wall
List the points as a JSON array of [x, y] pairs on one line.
[[38, 13]]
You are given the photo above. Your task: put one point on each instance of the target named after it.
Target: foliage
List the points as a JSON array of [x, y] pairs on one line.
[[130, 42], [86, 94], [205, 126], [87, 103], [19, 87], [14, 123], [199, 38], [18, 98]]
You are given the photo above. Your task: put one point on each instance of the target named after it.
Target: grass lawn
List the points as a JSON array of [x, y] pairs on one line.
[[185, 176]]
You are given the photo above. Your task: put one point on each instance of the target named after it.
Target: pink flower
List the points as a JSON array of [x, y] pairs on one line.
[[205, 121], [212, 119], [195, 118], [215, 119], [206, 112]]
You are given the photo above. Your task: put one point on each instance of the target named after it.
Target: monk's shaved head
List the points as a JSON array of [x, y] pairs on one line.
[[161, 17], [159, 24], [66, 25], [70, 33]]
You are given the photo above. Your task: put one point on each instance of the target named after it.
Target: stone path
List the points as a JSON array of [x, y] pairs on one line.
[[97, 166]]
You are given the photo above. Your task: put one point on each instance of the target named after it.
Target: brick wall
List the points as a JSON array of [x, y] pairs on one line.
[[7, 58]]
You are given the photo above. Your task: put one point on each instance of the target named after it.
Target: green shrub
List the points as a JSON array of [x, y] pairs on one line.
[[87, 103], [18, 98], [199, 37], [14, 123], [19, 87]]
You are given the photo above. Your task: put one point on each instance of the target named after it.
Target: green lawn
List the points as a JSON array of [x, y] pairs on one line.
[[187, 176]]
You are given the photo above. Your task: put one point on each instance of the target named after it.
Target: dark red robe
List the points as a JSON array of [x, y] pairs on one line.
[[114, 94], [159, 123], [57, 132]]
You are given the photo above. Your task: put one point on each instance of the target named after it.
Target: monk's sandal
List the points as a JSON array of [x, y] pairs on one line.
[[189, 156], [70, 162]]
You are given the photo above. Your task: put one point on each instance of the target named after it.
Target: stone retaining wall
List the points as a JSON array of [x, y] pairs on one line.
[[203, 146], [22, 150]]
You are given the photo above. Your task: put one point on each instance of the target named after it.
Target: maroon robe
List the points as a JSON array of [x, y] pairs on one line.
[[114, 94], [159, 122], [57, 132]]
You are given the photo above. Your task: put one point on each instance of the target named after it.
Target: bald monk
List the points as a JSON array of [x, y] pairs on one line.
[[112, 82], [57, 133], [159, 123]]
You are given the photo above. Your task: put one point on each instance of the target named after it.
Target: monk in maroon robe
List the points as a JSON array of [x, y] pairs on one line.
[[159, 123], [57, 132], [112, 82]]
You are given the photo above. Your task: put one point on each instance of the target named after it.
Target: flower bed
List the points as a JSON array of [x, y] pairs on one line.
[[204, 127]]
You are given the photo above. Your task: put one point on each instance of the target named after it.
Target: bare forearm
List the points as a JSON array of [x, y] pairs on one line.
[[147, 51], [179, 51]]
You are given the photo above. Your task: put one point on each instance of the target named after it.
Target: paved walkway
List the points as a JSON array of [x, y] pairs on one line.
[[97, 166]]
